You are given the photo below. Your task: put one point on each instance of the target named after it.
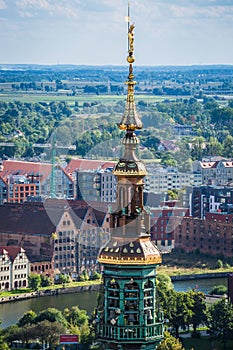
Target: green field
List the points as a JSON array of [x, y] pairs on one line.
[[106, 99]]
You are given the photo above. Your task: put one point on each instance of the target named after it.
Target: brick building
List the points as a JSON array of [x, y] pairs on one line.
[[164, 220], [212, 235]]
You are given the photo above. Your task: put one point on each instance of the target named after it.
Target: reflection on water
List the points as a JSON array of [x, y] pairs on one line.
[[203, 285], [10, 313]]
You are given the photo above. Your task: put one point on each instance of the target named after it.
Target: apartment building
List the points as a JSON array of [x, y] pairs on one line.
[[21, 180], [208, 199], [215, 171], [161, 179], [94, 180]]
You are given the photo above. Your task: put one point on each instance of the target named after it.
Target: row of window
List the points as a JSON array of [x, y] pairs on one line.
[[22, 275], [64, 264], [20, 267], [5, 268], [64, 256], [66, 233], [2, 278], [64, 248]]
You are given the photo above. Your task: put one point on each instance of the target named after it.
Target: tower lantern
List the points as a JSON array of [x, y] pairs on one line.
[[128, 315]]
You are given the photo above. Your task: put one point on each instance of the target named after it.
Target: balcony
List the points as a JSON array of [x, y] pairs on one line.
[[130, 333]]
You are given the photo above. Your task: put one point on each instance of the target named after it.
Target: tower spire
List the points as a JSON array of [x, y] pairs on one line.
[[128, 317], [130, 119]]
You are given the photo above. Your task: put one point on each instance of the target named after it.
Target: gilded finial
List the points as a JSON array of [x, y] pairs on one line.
[[130, 120], [131, 27]]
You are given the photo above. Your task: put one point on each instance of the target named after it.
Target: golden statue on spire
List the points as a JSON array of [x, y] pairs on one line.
[[130, 120], [131, 37]]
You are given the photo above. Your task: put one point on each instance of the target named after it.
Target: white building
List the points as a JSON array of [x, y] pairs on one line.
[[14, 268], [214, 172], [161, 180]]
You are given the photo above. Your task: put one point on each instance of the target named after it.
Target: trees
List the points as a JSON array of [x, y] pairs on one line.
[[180, 311], [180, 308], [78, 323], [27, 319], [51, 315], [198, 309], [49, 332], [34, 281], [75, 316], [170, 343], [220, 321]]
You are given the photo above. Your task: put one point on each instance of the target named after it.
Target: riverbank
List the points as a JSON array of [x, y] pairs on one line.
[[199, 276], [95, 286], [50, 292]]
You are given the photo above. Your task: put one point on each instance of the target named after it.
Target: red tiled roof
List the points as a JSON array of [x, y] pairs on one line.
[[87, 164], [12, 251], [14, 167]]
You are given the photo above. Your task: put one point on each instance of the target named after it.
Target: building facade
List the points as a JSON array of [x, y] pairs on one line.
[[58, 236], [160, 180], [215, 171], [28, 179], [164, 221], [208, 199], [212, 235], [14, 267]]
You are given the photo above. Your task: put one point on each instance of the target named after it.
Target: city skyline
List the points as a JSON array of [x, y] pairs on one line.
[[91, 32]]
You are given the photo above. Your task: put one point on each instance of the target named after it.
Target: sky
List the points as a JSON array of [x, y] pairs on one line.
[[94, 32]]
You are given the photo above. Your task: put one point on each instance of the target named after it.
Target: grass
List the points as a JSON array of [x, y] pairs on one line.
[[177, 271], [53, 287], [180, 263], [204, 343], [107, 99]]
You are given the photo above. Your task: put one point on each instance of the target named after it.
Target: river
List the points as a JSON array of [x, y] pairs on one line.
[[11, 312]]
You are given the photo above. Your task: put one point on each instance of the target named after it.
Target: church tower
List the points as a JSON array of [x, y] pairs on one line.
[[128, 315]]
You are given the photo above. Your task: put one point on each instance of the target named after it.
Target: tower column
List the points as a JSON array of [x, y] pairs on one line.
[[128, 317]]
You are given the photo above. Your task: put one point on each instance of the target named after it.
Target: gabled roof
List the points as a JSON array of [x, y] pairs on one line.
[[87, 164], [228, 164], [12, 251], [14, 167], [38, 218], [28, 219], [208, 165], [36, 169], [100, 216], [169, 145]]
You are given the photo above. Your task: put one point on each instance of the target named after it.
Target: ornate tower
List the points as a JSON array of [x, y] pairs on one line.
[[129, 317]]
